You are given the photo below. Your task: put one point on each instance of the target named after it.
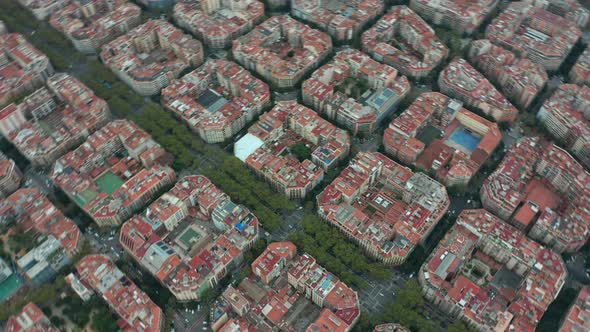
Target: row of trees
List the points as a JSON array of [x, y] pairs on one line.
[[552, 318], [233, 167], [420, 253], [406, 309], [41, 296], [209, 296], [48, 298], [224, 170], [21, 241], [270, 220], [93, 312], [11, 152], [153, 288], [189, 150], [332, 250], [328, 246]]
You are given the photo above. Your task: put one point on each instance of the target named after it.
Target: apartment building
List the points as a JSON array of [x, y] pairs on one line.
[[355, 91], [217, 100], [151, 55], [421, 52], [90, 24]]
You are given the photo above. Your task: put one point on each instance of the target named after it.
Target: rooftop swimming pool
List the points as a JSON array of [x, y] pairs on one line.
[[465, 138]]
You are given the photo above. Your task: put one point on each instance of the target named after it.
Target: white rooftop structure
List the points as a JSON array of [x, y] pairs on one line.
[[246, 146]]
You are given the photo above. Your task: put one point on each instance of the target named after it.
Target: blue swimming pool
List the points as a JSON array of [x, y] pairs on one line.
[[465, 138]]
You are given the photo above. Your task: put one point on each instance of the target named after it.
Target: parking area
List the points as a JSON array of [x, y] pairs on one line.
[[191, 319]]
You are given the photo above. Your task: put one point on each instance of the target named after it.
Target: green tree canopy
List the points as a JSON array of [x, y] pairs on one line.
[[301, 151], [103, 320]]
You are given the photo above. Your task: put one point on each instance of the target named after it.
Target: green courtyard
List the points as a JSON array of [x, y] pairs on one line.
[[109, 182]]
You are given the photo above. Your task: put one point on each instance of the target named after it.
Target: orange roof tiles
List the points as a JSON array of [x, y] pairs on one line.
[[185, 269], [268, 260], [72, 109], [236, 97], [578, 316], [152, 54], [33, 209], [390, 237], [445, 114], [30, 319], [543, 37], [218, 23], [342, 22], [96, 22], [327, 91], [269, 47], [422, 50], [537, 274], [286, 124], [123, 296], [328, 322], [519, 78], [460, 80], [79, 172], [24, 68], [561, 196], [563, 115], [460, 15]]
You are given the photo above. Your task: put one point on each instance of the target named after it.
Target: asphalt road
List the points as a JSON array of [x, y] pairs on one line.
[[38, 180], [374, 297], [377, 294], [105, 241], [192, 319], [576, 269]]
